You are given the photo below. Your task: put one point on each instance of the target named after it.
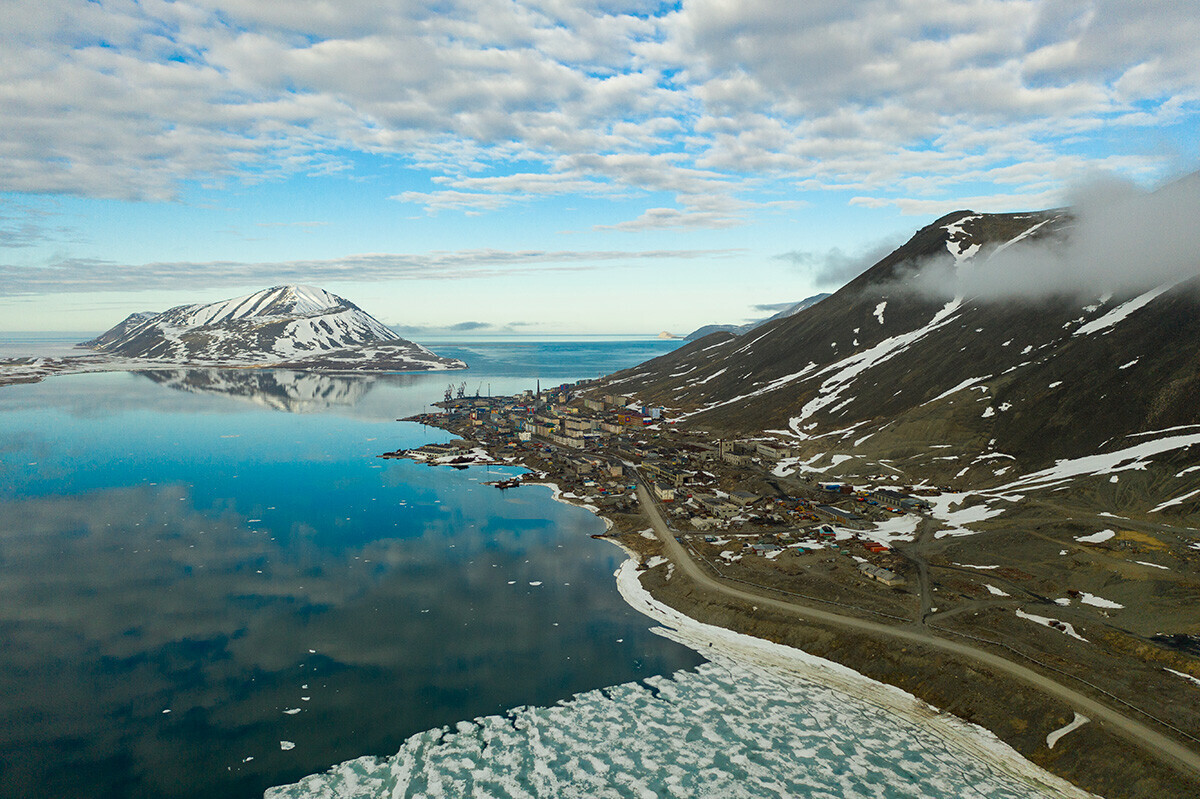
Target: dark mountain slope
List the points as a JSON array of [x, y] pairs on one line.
[[968, 390]]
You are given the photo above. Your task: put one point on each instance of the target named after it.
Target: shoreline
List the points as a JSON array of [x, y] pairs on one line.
[[717, 643], [999, 708]]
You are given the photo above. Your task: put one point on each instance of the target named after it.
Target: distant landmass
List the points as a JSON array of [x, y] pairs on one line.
[[738, 330], [285, 326]]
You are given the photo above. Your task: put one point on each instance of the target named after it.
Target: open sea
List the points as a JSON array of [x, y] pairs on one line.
[[210, 585]]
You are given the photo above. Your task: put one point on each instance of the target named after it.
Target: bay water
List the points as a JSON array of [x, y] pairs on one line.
[[210, 585]]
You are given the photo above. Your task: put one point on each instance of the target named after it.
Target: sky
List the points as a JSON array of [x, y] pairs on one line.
[[547, 166]]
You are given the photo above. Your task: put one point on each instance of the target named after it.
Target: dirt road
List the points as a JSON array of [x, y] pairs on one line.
[[1142, 735]]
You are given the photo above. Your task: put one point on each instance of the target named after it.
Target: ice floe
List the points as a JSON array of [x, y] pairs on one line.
[[759, 719]]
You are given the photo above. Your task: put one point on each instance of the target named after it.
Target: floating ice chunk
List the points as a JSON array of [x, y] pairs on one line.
[[287, 746], [535, 582], [165, 712], [1054, 737], [291, 711]]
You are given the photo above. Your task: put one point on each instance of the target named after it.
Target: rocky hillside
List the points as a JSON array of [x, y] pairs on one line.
[[899, 373], [296, 326]]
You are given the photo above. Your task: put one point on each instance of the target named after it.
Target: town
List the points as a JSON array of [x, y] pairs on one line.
[[725, 499]]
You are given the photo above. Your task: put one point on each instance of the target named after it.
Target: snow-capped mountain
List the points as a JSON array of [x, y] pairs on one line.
[[286, 326], [941, 363]]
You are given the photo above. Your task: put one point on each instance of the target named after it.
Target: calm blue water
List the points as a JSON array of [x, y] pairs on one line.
[[209, 584]]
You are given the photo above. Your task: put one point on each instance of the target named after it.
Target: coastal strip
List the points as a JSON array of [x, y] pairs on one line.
[[719, 643], [979, 687]]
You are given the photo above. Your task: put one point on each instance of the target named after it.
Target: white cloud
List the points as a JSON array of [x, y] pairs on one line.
[[897, 99], [1121, 240]]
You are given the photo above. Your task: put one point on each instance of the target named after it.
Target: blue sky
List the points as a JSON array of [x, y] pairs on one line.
[[547, 166]]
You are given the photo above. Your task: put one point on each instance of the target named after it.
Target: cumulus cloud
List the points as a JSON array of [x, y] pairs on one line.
[[1120, 240], [80, 274], [905, 103]]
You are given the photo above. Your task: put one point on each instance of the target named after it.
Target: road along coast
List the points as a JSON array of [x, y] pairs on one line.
[[1117, 754]]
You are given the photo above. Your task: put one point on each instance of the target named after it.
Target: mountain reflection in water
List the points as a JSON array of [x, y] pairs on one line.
[[265, 578], [280, 389]]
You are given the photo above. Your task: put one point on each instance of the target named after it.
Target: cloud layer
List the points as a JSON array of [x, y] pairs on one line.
[[709, 110], [1122, 240], [80, 275]]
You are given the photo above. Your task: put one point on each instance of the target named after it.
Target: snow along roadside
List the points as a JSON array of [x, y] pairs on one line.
[[720, 644]]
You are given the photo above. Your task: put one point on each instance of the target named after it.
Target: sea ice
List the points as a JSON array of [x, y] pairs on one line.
[[759, 719]]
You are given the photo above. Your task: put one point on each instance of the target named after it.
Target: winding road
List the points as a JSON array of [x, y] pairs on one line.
[[1144, 736]]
